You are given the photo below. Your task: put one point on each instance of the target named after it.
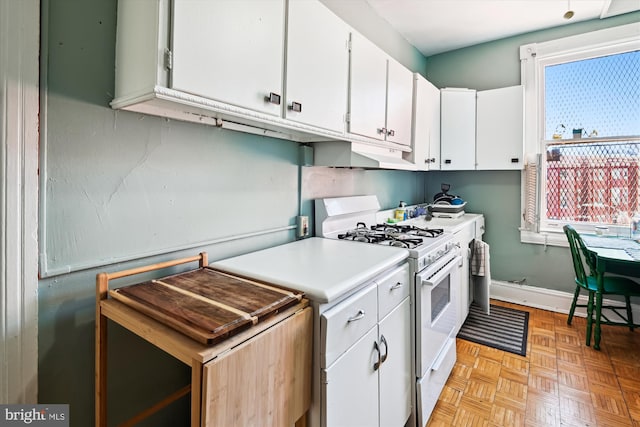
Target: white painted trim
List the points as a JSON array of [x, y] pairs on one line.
[[545, 299], [534, 57], [19, 98]]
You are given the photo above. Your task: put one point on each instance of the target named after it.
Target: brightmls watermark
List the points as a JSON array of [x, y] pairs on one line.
[[34, 415]]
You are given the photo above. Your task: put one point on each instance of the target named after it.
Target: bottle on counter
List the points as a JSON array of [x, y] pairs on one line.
[[400, 214]]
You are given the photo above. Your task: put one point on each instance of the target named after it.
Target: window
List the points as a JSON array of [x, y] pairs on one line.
[[582, 133]]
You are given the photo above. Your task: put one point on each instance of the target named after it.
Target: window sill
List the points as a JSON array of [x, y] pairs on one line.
[[547, 238]]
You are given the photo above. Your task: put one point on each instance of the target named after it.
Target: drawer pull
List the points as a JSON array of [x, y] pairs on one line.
[[396, 286], [358, 316]]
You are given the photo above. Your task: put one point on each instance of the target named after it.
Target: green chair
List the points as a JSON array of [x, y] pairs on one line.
[[598, 285]]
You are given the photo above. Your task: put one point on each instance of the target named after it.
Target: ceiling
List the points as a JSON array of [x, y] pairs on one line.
[[436, 26]]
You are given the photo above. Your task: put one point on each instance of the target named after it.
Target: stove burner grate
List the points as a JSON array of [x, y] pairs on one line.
[[408, 229]]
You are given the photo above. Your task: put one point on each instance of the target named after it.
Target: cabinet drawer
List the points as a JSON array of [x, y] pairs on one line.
[[342, 325], [392, 289], [430, 386]]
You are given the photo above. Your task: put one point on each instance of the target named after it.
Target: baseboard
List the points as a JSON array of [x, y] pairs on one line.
[[545, 299]]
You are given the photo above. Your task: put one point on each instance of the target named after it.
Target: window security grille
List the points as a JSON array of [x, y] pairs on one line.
[[593, 182], [592, 138]]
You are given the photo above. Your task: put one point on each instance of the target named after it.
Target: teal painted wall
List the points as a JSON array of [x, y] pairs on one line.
[[497, 194], [120, 190]]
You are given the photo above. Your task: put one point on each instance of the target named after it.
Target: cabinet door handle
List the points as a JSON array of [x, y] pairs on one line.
[[383, 340], [358, 316], [296, 106], [396, 286], [448, 161], [432, 160], [515, 160], [382, 131], [391, 132], [377, 364], [273, 98]]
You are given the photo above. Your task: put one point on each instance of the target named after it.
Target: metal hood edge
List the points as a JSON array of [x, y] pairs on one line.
[[356, 155]]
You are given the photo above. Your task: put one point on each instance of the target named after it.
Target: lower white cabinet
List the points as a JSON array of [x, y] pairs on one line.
[[369, 383], [351, 386], [463, 236], [395, 372], [462, 239]]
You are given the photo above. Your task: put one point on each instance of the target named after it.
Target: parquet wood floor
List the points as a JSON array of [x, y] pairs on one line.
[[560, 382]]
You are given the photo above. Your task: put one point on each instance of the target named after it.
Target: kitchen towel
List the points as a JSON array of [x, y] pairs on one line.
[[480, 259], [481, 273]]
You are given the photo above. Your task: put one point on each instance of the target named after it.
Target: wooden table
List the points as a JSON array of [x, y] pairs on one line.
[[274, 351], [614, 255]]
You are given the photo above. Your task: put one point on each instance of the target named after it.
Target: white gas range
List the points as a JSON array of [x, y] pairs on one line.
[[434, 267]]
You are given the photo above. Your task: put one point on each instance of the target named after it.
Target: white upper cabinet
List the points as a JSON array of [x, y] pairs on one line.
[[368, 91], [482, 130], [500, 129], [426, 125], [458, 129], [380, 94], [230, 51], [317, 66], [279, 68], [399, 103]]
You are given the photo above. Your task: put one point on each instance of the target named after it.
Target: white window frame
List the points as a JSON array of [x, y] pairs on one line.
[[533, 58]]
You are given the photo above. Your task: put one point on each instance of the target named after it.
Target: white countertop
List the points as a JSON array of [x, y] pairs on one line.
[[324, 269], [450, 225]]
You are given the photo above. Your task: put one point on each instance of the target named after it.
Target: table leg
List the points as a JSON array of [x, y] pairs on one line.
[[596, 338], [196, 393], [589, 318], [101, 353]]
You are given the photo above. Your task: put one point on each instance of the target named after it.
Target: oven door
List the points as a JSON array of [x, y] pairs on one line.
[[436, 309]]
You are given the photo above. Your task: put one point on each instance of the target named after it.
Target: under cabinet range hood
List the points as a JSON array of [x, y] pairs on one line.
[[357, 155]]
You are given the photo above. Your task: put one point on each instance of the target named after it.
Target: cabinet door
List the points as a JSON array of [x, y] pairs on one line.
[[317, 66], [350, 389], [265, 381], [426, 125], [229, 51], [500, 128], [395, 371], [368, 88], [399, 103], [462, 239], [458, 129]]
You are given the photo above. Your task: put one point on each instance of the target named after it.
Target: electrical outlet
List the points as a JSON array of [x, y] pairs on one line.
[[302, 223]]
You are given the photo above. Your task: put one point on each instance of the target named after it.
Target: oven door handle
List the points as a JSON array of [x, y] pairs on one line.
[[442, 273]]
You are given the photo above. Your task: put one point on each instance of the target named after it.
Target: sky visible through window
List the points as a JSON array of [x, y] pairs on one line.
[[601, 94]]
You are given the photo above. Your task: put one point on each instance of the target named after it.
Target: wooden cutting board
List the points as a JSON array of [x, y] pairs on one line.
[[206, 304]]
